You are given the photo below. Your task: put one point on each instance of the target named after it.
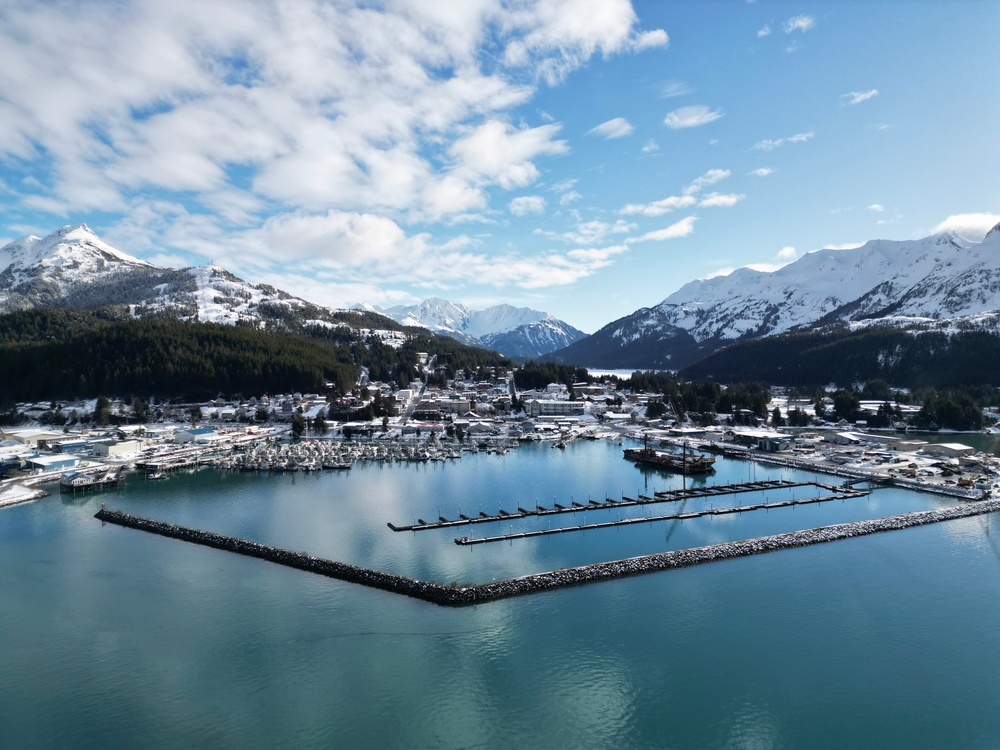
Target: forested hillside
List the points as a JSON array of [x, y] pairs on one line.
[[904, 358], [59, 353]]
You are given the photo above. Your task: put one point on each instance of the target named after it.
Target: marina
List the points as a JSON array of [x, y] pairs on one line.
[[465, 595], [721, 511], [660, 496], [99, 595]]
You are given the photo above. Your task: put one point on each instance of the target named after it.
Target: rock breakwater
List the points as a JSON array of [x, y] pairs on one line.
[[481, 593]]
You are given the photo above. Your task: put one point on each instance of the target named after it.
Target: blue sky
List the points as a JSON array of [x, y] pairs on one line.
[[583, 157]]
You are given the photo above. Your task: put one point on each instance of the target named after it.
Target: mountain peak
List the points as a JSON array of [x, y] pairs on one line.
[[74, 231], [994, 233]]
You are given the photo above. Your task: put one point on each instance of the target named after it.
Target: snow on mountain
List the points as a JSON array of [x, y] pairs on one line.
[[515, 331], [846, 284], [936, 278], [49, 267], [72, 267]]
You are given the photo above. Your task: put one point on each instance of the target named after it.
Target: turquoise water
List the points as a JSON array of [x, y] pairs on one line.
[[114, 638]]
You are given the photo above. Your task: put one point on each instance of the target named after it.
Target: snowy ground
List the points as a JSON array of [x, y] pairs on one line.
[[14, 493]]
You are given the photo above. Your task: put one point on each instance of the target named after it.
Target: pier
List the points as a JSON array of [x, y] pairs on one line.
[[725, 510], [457, 596], [662, 496]]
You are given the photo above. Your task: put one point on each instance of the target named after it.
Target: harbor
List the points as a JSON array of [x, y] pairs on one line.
[[115, 604], [659, 496], [477, 594], [720, 511]]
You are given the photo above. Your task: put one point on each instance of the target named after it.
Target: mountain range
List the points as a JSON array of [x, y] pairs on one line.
[[940, 282], [518, 332], [73, 267]]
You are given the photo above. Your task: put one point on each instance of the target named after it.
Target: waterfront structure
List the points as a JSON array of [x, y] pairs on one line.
[[116, 449], [554, 408], [53, 462]]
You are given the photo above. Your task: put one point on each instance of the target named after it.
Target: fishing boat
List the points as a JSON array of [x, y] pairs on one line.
[[682, 463]]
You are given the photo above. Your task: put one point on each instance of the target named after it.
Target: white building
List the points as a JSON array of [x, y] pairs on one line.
[[554, 408], [120, 448]]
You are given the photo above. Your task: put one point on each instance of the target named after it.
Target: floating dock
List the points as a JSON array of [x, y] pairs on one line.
[[663, 496], [726, 510], [457, 596]]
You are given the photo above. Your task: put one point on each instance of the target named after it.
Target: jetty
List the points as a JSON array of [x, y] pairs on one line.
[[608, 503], [722, 511], [457, 596]]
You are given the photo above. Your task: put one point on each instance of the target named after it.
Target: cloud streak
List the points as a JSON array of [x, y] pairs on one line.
[[856, 97], [619, 127], [691, 117], [770, 145]]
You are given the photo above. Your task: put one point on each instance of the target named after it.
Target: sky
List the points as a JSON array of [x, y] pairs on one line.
[[582, 157]]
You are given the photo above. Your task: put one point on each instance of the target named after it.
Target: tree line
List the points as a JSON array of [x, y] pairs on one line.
[[61, 353]]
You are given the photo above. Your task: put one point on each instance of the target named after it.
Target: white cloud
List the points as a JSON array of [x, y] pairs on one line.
[[650, 39], [710, 177], [719, 200], [372, 108], [556, 37], [763, 32], [675, 88], [527, 204], [770, 145], [651, 147], [660, 207], [799, 23], [563, 185], [681, 228], [972, 227], [842, 246], [762, 172], [595, 232], [856, 97], [876, 208], [787, 253], [568, 197], [496, 153], [596, 257], [724, 271], [691, 117], [616, 128]]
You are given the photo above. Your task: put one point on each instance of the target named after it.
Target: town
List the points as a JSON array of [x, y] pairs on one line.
[[438, 419]]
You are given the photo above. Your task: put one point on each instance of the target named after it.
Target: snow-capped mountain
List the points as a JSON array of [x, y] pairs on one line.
[[928, 281], [515, 331], [72, 267]]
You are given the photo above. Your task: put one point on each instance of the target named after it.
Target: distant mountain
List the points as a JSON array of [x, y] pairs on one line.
[[73, 267], [940, 281], [518, 332]]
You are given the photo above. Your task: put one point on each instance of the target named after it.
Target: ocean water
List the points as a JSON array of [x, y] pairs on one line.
[[110, 637]]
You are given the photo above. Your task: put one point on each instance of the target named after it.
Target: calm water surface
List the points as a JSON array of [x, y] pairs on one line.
[[114, 638]]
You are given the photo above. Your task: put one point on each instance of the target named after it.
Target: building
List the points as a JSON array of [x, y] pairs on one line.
[[119, 448], [949, 450], [53, 462], [30, 437], [554, 408], [197, 435]]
